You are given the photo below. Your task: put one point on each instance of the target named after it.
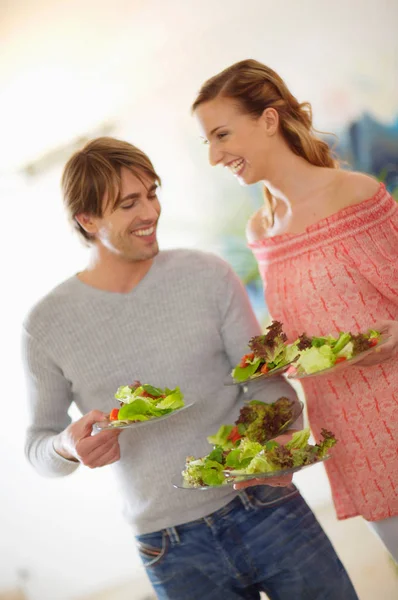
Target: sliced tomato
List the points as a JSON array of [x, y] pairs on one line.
[[244, 360], [146, 394], [113, 415], [340, 359], [234, 435], [264, 368], [373, 342]]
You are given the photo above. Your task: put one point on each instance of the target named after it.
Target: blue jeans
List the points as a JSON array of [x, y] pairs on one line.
[[266, 539]]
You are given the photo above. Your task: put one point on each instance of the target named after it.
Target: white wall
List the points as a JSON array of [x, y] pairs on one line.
[[71, 65]]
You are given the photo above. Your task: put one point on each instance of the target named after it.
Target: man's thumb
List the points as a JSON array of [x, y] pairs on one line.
[[90, 418]]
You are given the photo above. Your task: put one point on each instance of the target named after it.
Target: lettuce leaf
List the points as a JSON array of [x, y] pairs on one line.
[[260, 464], [136, 403], [221, 437], [140, 406], [172, 401], [249, 449], [124, 394], [343, 340], [316, 359], [347, 351], [216, 455], [328, 340], [299, 439], [154, 391], [243, 373]]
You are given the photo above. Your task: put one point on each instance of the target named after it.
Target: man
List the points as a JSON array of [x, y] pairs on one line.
[[170, 318]]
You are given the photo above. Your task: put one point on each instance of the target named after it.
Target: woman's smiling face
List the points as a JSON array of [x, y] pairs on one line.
[[236, 140]]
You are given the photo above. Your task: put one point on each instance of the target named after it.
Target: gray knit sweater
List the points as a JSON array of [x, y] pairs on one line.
[[187, 323]]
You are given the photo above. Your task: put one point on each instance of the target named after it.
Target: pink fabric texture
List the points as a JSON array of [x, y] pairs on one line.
[[342, 275]]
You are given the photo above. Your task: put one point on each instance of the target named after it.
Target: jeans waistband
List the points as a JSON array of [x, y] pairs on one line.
[[240, 499]]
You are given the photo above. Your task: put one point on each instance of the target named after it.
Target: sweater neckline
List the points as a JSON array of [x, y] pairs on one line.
[[143, 283]]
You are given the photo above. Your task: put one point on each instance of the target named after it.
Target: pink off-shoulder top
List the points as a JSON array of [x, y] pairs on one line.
[[341, 274]]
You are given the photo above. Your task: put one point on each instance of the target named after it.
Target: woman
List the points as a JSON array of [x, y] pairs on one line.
[[326, 241]]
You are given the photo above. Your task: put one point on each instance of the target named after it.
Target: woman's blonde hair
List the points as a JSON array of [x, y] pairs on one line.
[[256, 87], [94, 171]]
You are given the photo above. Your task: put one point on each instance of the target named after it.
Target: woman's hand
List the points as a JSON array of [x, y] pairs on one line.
[[281, 481], [387, 350]]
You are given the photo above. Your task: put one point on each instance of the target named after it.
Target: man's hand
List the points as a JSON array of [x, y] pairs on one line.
[[282, 480], [76, 442], [387, 350]]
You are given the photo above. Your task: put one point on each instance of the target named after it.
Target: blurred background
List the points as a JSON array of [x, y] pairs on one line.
[[73, 70]]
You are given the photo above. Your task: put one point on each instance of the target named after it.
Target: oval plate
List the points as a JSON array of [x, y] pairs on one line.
[[106, 425], [342, 365], [179, 482], [257, 376]]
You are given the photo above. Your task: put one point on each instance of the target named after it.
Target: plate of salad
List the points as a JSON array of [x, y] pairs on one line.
[[141, 404], [322, 355], [248, 460], [269, 355]]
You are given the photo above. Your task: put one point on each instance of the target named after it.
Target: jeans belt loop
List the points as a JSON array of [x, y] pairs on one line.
[[245, 500], [173, 535]]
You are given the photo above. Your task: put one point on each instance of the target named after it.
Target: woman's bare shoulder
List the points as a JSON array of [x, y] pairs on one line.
[[355, 187]]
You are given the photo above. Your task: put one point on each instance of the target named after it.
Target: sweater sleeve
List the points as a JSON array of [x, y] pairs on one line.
[[49, 399], [238, 321], [239, 324]]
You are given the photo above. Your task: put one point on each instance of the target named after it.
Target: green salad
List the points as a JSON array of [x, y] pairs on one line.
[[246, 448], [246, 457], [306, 355], [268, 352], [320, 353], [257, 421], [141, 402]]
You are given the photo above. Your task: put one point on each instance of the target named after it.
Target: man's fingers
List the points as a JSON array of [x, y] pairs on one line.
[[108, 458], [89, 449], [92, 442], [108, 434], [92, 417], [101, 455], [83, 427], [106, 443]]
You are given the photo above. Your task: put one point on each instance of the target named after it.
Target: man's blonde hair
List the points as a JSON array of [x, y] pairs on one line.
[[95, 171]]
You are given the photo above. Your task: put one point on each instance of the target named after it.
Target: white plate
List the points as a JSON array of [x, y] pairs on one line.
[[179, 482], [341, 365], [257, 376], [106, 425]]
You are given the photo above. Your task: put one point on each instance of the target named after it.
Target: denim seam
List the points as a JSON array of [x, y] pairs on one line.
[[158, 558], [222, 552], [246, 553]]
